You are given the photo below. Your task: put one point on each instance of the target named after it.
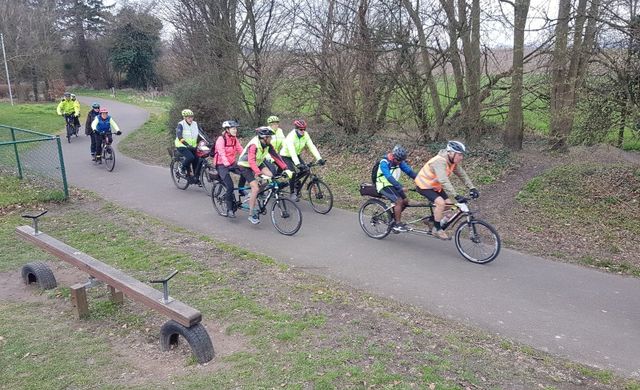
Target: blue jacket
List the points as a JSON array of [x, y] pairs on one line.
[[386, 166]]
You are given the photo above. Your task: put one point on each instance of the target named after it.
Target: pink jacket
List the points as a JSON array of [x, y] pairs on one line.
[[227, 148]]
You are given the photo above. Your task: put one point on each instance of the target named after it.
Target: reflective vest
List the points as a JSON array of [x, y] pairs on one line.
[[104, 125], [278, 139], [189, 133], [427, 179], [382, 180], [261, 153]]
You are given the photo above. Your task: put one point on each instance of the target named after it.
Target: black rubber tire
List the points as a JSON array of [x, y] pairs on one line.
[[218, 194], [285, 209], [180, 181], [206, 181], [40, 273], [378, 227], [323, 204], [109, 158], [488, 232], [197, 337]]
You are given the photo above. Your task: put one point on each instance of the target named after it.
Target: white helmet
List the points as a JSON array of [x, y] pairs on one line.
[[227, 124], [456, 147]]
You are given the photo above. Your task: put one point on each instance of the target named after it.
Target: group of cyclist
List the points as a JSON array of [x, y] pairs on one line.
[[270, 153], [99, 124]]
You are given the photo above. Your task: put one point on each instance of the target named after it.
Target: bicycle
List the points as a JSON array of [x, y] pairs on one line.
[[71, 128], [476, 240], [320, 195], [205, 171], [286, 217], [108, 154]]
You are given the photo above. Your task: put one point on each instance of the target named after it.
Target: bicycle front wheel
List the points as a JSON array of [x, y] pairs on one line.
[[218, 195], [178, 179], [375, 219], [320, 197], [286, 216], [109, 157], [206, 180], [477, 241]]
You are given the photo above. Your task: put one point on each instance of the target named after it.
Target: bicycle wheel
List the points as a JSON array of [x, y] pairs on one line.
[[109, 157], [206, 181], [477, 241], [218, 194], [375, 219], [320, 197], [178, 179], [286, 216], [69, 132]]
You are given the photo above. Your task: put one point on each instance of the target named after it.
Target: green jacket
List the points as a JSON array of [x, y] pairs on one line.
[[294, 145], [68, 107]]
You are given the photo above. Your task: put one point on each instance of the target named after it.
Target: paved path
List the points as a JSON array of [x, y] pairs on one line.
[[583, 314]]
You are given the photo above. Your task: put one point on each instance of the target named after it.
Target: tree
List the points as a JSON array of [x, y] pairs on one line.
[[136, 46]]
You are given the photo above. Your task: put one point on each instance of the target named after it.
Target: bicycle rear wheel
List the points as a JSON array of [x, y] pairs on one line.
[[286, 216], [206, 180], [477, 241], [375, 219], [320, 197], [218, 195], [109, 157], [178, 178]]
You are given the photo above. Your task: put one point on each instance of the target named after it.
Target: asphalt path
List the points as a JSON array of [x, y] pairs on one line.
[[574, 312]]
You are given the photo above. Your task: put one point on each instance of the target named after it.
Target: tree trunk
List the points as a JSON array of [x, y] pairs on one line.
[[514, 127], [559, 80], [34, 82]]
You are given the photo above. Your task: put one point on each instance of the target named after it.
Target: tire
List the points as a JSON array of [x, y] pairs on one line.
[[218, 194], [40, 273], [180, 181], [375, 219], [196, 336], [286, 216], [477, 241], [205, 180], [320, 196], [109, 158]]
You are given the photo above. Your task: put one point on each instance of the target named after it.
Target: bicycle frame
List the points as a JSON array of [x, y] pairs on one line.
[[306, 175], [462, 211], [273, 189]]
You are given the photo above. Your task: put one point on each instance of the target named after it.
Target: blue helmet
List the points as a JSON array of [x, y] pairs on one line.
[[399, 153], [95, 105]]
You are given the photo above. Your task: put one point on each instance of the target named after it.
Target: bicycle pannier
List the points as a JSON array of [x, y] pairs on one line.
[[367, 189]]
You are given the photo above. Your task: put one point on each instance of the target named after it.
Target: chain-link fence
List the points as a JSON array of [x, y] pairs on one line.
[[35, 157]]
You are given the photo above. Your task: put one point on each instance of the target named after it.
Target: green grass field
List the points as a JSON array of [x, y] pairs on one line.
[[130, 96]]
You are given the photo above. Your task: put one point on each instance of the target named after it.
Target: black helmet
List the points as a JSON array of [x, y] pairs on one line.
[[95, 105], [264, 132], [399, 153], [456, 146]]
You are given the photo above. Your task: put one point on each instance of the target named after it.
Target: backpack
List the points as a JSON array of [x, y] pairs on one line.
[[374, 171]]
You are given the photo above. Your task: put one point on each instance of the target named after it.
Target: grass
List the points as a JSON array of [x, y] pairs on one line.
[[24, 193], [149, 143], [38, 117], [159, 102]]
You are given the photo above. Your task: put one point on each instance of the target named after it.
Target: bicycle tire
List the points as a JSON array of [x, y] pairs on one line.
[[286, 210], [218, 194], [109, 157], [479, 232], [320, 196], [375, 220], [205, 180], [180, 181]]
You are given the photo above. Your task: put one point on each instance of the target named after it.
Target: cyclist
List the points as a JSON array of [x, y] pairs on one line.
[[387, 184], [188, 133], [295, 142], [76, 118], [251, 163], [89, 131], [227, 148], [102, 126], [67, 108], [433, 180], [277, 141]]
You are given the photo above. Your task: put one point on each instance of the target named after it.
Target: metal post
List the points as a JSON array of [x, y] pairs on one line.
[[62, 171], [15, 148], [6, 68]]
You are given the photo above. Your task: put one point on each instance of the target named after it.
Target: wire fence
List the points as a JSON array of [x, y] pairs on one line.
[[34, 157]]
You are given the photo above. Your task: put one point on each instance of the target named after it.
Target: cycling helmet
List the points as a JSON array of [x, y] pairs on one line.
[[227, 124], [399, 153], [103, 110], [73, 96], [67, 94], [273, 119], [300, 124], [95, 105], [456, 147], [187, 112], [264, 132]]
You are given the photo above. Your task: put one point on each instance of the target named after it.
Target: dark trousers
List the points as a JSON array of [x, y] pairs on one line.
[[225, 177], [189, 159], [96, 142], [292, 168]]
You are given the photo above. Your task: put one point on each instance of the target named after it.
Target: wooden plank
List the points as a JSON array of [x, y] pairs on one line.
[[131, 287], [116, 296], [79, 300]]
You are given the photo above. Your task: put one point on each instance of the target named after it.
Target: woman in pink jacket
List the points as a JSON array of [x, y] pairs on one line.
[[227, 149]]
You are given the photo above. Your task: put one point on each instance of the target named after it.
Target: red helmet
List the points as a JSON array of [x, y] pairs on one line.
[[300, 124], [103, 109]]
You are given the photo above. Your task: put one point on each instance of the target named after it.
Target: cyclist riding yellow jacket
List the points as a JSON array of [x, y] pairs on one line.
[[295, 144], [68, 107]]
